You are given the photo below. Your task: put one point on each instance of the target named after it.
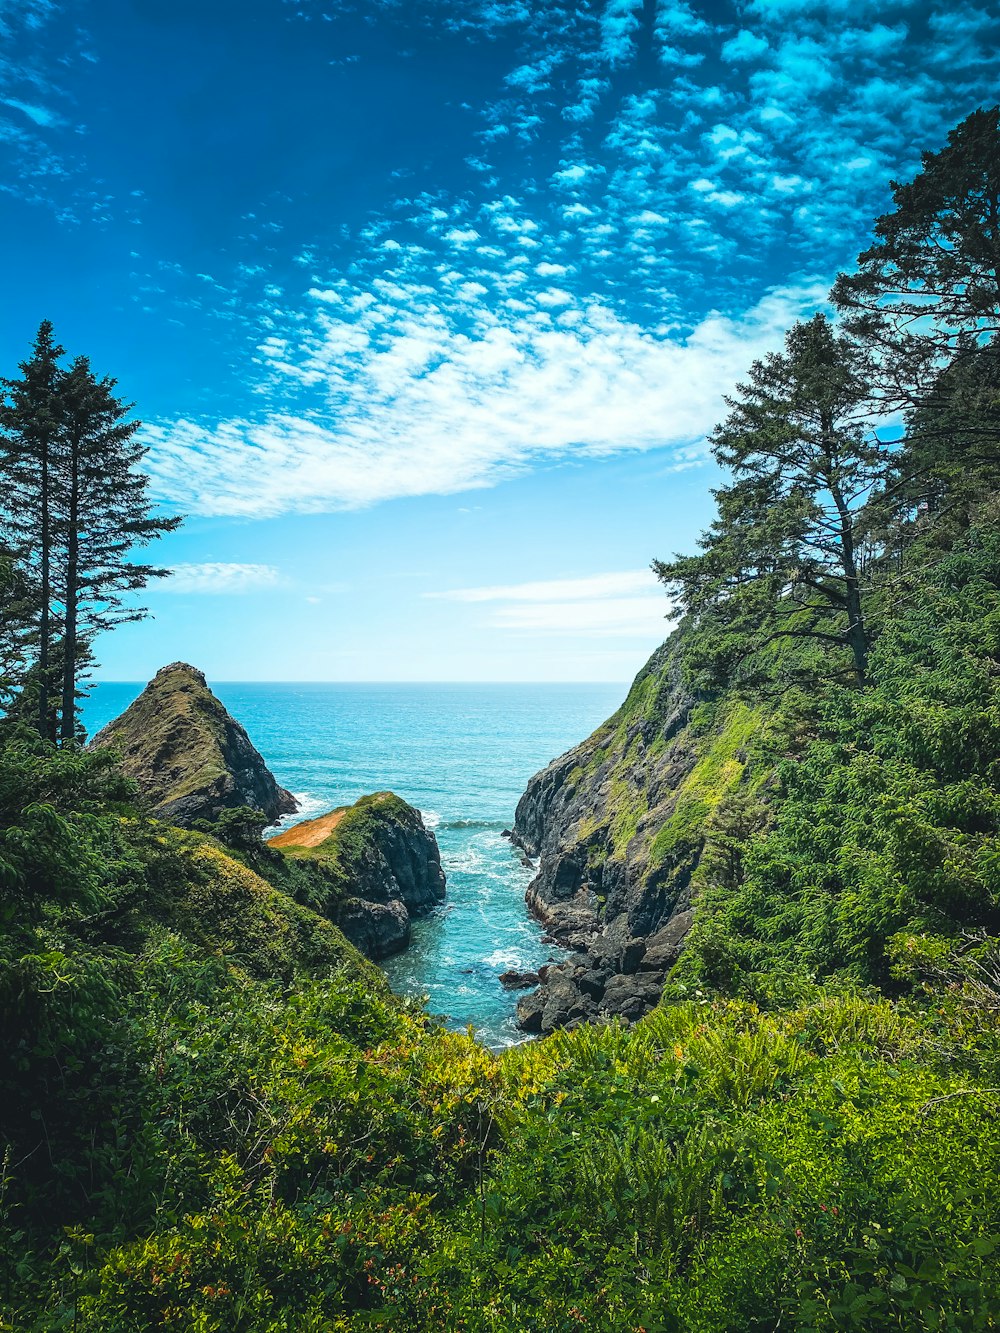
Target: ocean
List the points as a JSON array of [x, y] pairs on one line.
[[462, 754]]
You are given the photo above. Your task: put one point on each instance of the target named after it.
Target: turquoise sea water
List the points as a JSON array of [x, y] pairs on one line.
[[463, 755]]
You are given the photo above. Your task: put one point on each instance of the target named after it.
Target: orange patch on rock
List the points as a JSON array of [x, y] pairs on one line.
[[310, 833]]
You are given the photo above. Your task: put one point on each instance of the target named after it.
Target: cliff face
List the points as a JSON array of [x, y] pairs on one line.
[[376, 869], [191, 759], [618, 825]]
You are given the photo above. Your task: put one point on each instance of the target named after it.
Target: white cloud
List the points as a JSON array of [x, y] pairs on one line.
[[630, 603], [744, 46], [575, 173], [619, 25], [589, 588], [714, 194], [554, 296], [417, 403], [40, 115], [679, 20], [219, 578]]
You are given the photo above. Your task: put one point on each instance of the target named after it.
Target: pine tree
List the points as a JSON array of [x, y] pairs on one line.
[[927, 292], [102, 512], [785, 559], [18, 620], [30, 424]]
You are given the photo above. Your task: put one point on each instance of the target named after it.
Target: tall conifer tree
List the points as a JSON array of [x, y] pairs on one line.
[[927, 291], [785, 558], [30, 422], [102, 513]]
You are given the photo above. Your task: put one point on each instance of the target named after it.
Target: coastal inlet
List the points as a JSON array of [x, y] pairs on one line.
[[463, 755]]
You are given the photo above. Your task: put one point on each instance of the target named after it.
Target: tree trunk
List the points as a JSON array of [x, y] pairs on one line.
[[68, 729], [45, 722], [857, 635]]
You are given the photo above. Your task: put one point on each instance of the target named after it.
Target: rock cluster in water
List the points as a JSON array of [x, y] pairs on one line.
[[379, 868], [370, 868], [602, 887], [191, 759]]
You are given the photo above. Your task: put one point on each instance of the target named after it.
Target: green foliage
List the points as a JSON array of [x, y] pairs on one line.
[[890, 819], [784, 559], [215, 1117], [935, 254], [325, 875], [73, 505], [241, 829], [17, 626], [717, 772]]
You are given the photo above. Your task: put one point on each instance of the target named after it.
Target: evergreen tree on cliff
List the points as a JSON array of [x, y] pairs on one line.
[[30, 425], [102, 513], [785, 558], [927, 292]]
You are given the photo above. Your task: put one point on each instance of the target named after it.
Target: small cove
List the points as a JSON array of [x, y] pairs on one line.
[[461, 753]]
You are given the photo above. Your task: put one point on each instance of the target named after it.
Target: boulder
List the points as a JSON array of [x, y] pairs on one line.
[[514, 980], [664, 948], [529, 1012], [632, 995]]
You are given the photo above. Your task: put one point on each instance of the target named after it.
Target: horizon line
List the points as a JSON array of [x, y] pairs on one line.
[[467, 681]]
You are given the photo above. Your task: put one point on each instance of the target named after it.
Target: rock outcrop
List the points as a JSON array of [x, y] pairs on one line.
[[191, 759], [377, 868], [618, 826]]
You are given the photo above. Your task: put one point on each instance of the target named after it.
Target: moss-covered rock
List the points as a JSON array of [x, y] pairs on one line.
[[186, 886], [618, 824], [371, 867], [190, 758]]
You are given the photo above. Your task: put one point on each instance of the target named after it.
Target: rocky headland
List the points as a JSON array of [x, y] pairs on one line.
[[190, 758], [618, 825], [370, 868], [375, 868]]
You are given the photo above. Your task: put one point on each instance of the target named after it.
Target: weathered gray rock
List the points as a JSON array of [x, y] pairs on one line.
[[529, 1012], [606, 885], [514, 980], [663, 949]]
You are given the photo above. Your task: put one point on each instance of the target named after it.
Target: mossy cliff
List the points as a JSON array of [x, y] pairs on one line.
[[190, 758], [371, 867], [194, 892], [619, 826]]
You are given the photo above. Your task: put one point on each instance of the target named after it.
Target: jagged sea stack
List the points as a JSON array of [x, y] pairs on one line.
[[377, 868], [191, 759]]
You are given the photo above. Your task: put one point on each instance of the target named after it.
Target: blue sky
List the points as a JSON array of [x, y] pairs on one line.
[[427, 308]]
